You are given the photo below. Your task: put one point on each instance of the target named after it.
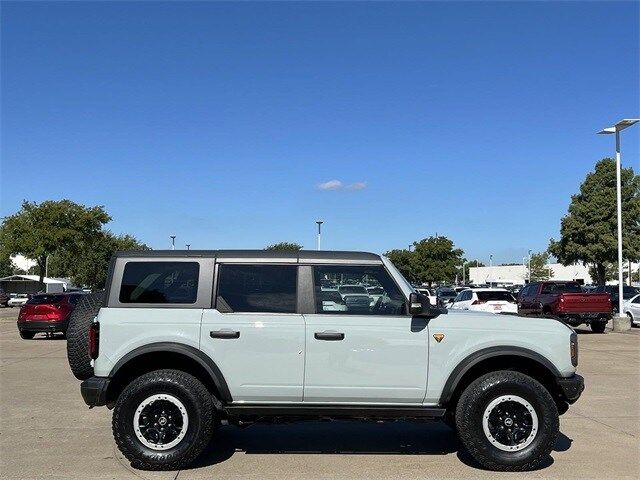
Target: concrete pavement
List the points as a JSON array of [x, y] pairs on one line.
[[46, 431]]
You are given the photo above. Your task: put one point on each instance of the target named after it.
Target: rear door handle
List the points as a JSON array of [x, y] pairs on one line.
[[224, 334], [328, 336]]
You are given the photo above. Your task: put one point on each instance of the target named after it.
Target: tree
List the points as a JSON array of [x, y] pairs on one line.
[[50, 228], [464, 275], [90, 268], [403, 261], [588, 233], [7, 267], [436, 259], [284, 247], [539, 267]]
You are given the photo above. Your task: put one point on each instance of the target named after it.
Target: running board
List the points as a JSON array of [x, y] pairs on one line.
[[334, 411]]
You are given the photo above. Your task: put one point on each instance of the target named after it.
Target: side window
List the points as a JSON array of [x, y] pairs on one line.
[[160, 282], [636, 300], [257, 288], [356, 290], [467, 295], [459, 297], [548, 288]]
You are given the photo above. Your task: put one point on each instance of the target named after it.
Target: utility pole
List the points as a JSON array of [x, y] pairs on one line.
[[173, 241], [319, 222]]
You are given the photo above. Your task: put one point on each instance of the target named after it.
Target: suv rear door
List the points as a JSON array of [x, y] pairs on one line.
[[254, 333], [376, 354]]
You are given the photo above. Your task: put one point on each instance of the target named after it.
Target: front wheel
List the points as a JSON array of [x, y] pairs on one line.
[[163, 420], [507, 421], [598, 327]]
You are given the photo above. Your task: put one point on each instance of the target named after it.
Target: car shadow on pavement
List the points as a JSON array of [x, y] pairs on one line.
[[340, 437]]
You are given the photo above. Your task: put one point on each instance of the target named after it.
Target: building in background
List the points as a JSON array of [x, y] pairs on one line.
[[31, 284]]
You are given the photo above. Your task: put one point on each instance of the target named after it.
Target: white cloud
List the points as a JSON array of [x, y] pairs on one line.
[[357, 186], [331, 185], [338, 185]]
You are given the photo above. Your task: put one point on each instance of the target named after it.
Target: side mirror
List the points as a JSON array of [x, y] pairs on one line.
[[415, 304], [420, 306]]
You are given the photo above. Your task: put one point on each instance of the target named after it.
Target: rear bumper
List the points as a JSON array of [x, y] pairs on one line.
[[43, 326], [571, 387], [585, 317], [94, 391]]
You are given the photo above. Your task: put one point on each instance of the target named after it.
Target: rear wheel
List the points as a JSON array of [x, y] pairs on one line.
[[163, 420], [598, 327], [631, 320], [27, 335], [507, 421]]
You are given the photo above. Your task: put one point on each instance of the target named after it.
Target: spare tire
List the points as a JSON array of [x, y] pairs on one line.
[[78, 334]]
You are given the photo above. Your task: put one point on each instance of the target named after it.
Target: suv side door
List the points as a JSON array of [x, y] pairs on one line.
[[254, 333], [376, 354]]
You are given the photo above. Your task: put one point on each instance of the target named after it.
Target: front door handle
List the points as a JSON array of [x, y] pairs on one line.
[[224, 334], [327, 335]]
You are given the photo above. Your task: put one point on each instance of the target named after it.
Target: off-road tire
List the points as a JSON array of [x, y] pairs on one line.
[[598, 327], [27, 335], [78, 334], [470, 409], [198, 402]]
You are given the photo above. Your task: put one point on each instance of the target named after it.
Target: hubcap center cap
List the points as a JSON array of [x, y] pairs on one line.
[[162, 421], [508, 422]]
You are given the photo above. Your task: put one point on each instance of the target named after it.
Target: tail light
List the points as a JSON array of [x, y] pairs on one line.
[[94, 340]]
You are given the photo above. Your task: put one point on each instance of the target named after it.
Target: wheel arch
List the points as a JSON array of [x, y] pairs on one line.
[[491, 359], [170, 355]]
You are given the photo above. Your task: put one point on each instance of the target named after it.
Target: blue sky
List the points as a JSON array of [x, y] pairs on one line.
[[219, 121]]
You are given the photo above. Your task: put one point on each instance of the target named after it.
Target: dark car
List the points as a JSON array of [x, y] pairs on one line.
[[627, 293], [445, 295], [4, 298], [47, 312]]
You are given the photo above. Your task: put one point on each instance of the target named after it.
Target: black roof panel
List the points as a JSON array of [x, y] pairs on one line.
[[302, 255]]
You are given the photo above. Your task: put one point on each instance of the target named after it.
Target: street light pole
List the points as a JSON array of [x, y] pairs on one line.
[[529, 266], [188, 245], [173, 241], [319, 222], [491, 271], [617, 128]]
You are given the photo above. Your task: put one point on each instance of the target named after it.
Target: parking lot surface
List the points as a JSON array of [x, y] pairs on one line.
[[46, 430]]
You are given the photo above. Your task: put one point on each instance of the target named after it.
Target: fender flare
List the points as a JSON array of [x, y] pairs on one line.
[[484, 354], [188, 351]]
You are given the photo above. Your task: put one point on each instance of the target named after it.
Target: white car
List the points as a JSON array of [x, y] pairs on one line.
[[433, 300], [331, 301], [493, 300], [632, 308], [17, 299]]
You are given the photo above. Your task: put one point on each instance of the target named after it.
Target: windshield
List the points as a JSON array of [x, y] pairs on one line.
[[447, 293], [495, 296], [43, 299], [353, 289]]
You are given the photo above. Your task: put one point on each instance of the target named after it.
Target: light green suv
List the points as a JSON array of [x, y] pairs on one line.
[[182, 342]]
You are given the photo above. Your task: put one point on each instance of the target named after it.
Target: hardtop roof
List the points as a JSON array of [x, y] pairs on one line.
[[277, 255]]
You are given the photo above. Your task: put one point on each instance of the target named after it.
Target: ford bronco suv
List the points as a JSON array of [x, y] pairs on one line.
[[182, 342]]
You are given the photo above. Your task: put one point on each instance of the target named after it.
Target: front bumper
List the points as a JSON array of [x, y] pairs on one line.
[[571, 387], [43, 326], [94, 391]]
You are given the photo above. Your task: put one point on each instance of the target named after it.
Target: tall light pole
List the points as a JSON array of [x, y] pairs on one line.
[[617, 128], [491, 271], [188, 246], [529, 267], [319, 222], [173, 241]]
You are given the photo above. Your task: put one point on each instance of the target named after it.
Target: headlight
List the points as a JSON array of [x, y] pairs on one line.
[[573, 349]]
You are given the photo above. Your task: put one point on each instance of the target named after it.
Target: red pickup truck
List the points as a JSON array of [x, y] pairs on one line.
[[566, 301]]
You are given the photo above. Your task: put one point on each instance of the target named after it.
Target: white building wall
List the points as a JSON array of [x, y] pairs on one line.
[[517, 274]]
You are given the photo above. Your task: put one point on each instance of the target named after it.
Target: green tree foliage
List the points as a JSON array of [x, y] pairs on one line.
[[7, 267], [403, 261], [72, 235], [540, 267], [284, 247], [588, 233], [50, 228], [468, 264], [433, 259]]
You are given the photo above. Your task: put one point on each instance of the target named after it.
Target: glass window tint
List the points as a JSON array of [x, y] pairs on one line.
[[495, 296], [160, 282], [45, 299], [353, 290], [257, 288]]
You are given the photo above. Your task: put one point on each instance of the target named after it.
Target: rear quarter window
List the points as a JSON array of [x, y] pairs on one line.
[[160, 282]]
